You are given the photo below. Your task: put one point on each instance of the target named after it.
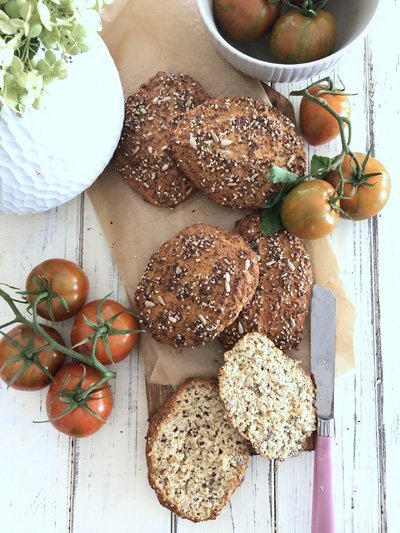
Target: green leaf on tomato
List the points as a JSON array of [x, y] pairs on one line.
[[271, 220], [281, 175], [320, 165]]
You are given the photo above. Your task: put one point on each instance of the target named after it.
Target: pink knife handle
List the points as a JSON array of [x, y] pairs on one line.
[[323, 520]]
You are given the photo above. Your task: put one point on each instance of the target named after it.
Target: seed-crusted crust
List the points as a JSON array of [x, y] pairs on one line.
[[196, 474], [268, 397], [196, 284], [281, 302], [227, 146], [143, 155]]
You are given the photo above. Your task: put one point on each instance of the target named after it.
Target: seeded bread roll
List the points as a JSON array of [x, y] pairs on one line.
[[268, 397], [281, 302], [143, 154], [195, 285], [227, 147], [195, 458]]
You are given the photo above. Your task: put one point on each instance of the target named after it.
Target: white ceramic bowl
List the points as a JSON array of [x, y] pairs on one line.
[[353, 19]]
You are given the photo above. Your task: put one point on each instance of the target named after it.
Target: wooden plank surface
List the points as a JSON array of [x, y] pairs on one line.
[[50, 483]]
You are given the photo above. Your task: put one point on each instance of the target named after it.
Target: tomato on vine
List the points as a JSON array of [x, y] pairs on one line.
[[318, 126], [115, 326], [27, 362], [62, 286], [364, 196], [79, 400], [245, 20], [311, 210]]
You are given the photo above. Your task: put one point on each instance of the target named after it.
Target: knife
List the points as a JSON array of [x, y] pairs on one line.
[[323, 341]]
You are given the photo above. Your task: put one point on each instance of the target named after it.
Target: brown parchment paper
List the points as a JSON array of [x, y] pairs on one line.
[[143, 37]]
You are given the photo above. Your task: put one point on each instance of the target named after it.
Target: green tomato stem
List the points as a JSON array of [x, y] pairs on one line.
[[52, 343], [342, 122]]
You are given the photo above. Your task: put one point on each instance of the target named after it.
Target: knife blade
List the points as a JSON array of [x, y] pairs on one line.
[[323, 346]]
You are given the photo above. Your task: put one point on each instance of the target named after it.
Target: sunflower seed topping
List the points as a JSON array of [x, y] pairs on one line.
[[215, 137], [202, 320], [192, 142], [226, 142], [227, 282]]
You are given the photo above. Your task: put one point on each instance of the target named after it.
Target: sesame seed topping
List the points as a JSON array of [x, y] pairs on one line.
[[165, 147], [143, 110], [291, 265], [292, 322], [178, 270], [290, 160], [165, 167], [161, 300], [147, 303], [172, 319], [150, 149], [240, 328], [226, 152], [247, 265], [135, 151]]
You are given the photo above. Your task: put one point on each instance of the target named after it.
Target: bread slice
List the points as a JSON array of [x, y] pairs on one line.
[[281, 302], [268, 397], [195, 285], [227, 147], [143, 155], [195, 458]]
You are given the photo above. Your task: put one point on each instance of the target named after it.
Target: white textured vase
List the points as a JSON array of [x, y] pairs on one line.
[[49, 156]]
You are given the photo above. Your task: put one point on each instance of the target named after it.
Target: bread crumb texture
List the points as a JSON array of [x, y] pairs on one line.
[[195, 458], [268, 396]]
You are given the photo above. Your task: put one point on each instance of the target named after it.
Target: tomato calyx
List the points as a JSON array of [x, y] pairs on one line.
[[28, 353], [360, 178], [308, 8], [102, 329], [46, 294], [78, 397]]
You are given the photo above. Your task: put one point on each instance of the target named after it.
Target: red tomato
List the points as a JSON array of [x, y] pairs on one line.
[[364, 201], [245, 20], [296, 38], [318, 125], [33, 377], [307, 211], [79, 422], [65, 278], [120, 344]]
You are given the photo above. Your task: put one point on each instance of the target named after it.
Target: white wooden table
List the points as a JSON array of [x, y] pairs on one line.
[[52, 484]]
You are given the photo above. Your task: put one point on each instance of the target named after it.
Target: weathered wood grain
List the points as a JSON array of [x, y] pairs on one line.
[[383, 59], [36, 461]]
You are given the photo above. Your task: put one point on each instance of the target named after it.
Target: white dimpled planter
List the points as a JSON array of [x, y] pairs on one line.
[[49, 156]]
